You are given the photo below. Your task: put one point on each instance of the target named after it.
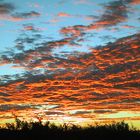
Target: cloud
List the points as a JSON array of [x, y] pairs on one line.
[[28, 58], [54, 113], [30, 27], [7, 13], [62, 14], [73, 31], [25, 15], [13, 107], [81, 112], [107, 77], [134, 2], [115, 13], [128, 26], [30, 35], [90, 17], [6, 8], [102, 111], [4, 94]]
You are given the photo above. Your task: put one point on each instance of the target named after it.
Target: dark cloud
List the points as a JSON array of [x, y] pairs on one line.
[[102, 111], [73, 31], [8, 107], [29, 27], [26, 15], [15, 107], [39, 95], [6, 8], [4, 94], [7, 13], [28, 58], [27, 39], [41, 57], [82, 112], [5, 99], [54, 113], [116, 12], [108, 38]]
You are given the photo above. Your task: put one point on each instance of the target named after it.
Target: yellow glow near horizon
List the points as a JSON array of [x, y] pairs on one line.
[[123, 114], [83, 121]]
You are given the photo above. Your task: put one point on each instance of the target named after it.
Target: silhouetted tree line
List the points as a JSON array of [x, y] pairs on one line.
[[23, 130]]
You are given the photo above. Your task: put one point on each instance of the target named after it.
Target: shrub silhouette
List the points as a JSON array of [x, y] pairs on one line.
[[23, 130]]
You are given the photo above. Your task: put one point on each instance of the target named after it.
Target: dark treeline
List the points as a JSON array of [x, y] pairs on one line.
[[23, 130]]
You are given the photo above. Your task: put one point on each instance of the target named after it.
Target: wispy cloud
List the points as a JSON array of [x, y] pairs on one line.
[[7, 13], [62, 14], [26, 15]]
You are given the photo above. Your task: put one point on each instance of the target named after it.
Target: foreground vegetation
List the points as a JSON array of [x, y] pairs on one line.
[[23, 130]]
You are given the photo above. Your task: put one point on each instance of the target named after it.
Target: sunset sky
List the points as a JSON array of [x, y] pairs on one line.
[[70, 60]]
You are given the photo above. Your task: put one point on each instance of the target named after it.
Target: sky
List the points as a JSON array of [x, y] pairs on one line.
[[70, 60]]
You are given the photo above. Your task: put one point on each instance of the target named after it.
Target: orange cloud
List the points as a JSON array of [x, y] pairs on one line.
[[107, 78], [135, 2], [28, 27], [128, 27], [63, 14], [115, 12]]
